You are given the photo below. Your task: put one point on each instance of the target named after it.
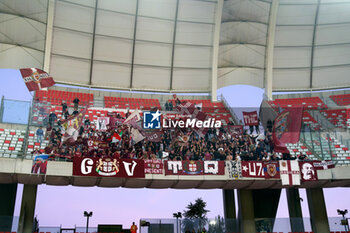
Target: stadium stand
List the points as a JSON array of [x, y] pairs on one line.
[[11, 142], [338, 117], [207, 105], [55, 97], [307, 102], [309, 120], [297, 148], [341, 100], [131, 103]]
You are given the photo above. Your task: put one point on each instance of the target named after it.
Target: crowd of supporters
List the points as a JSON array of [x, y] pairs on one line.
[[174, 144]]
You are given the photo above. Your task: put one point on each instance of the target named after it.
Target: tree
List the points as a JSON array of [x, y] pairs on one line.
[[196, 210], [195, 215]]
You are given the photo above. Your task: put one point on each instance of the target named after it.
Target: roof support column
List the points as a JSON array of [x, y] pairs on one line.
[[134, 45], [48, 36], [270, 42], [313, 44], [93, 42], [173, 48], [215, 55]]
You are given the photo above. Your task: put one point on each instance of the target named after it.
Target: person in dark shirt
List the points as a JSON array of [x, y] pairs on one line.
[[52, 118], [76, 103], [66, 115], [64, 107]]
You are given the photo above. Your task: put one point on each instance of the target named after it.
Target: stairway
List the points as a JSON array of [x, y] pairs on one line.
[[99, 101]]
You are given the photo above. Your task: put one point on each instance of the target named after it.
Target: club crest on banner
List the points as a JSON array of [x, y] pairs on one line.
[[193, 167], [271, 169], [107, 167], [36, 76], [281, 124]]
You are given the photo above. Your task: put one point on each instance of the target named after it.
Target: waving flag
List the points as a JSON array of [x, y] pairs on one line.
[[136, 135], [286, 128], [250, 118], [71, 127], [36, 79], [134, 117]]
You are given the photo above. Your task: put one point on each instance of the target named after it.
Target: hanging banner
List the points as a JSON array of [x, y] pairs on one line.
[[198, 167], [272, 170], [307, 171], [289, 171], [153, 166], [253, 169], [234, 169], [109, 167], [40, 164]]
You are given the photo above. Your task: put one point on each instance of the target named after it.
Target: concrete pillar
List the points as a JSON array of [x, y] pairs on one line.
[[230, 210], [229, 203], [318, 212], [7, 205], [294, 207], [246, 211], [265, 206], [26, 217]]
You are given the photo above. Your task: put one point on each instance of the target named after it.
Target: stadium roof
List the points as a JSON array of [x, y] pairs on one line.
[[173, 45]]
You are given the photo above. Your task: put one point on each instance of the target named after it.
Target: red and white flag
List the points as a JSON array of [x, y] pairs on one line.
[[308, 172], [323, 165], [289, 171], [250, 118], [36, 79]]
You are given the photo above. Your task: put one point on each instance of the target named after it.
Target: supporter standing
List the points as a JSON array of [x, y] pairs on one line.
[[170, 105], [52, 118], [40, 134], [133, 228], [257, 129], [64, 107], [76, 103]]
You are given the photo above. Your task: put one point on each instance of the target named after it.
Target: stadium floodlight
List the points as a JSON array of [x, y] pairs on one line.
[[344, 221], [87, 215], [212, 222], [177, 216]]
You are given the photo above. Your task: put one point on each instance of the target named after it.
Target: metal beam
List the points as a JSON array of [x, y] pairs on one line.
[[313, 43], [270, 43], [133, 45], [215, 51], [93, 43], [173, 47], [243, 21]]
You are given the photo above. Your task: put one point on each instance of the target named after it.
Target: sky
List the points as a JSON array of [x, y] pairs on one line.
[[64, 205]]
